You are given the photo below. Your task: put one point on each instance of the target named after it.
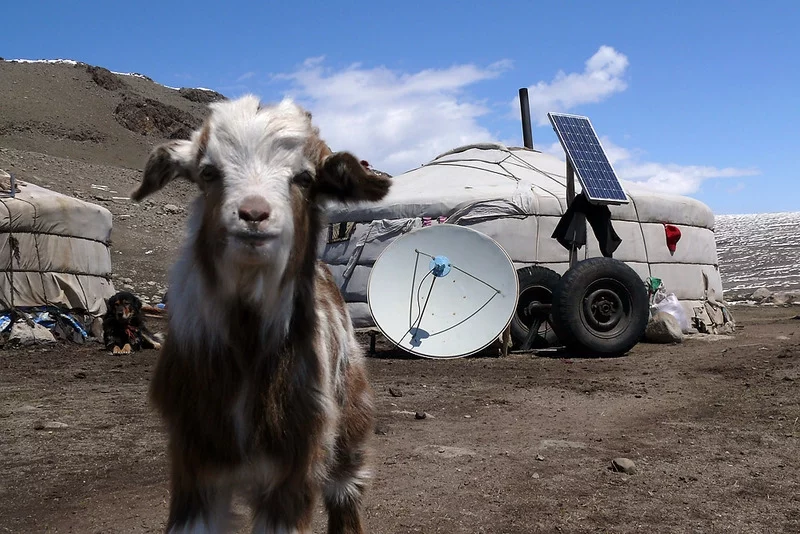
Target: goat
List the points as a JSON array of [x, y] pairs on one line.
[[261, 382]]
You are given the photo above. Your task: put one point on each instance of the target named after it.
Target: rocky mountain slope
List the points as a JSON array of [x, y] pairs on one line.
[[84, 131]]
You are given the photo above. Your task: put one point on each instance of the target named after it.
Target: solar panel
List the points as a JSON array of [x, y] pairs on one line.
[[585, 153]]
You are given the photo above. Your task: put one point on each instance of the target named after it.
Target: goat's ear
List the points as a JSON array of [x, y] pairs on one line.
[[342, 177], [166, 162]]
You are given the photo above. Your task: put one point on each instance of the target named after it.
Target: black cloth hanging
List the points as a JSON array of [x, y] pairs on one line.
[[571, 229]]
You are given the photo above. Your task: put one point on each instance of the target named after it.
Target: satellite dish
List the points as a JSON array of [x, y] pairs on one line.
[[443, 291]]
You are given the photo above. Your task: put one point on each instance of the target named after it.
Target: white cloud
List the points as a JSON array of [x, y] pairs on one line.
[[736, 188], [246, 76], [602, 76], [399, 120], [394, 120], [670, 178], [674, 178], [666, 177]]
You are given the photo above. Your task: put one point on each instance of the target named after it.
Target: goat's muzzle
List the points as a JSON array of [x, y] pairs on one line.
[[254, 222], [254, 238], [254, 209]]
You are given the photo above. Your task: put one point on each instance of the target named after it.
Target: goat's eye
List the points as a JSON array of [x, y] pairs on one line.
[[209, 173], [303, 179]]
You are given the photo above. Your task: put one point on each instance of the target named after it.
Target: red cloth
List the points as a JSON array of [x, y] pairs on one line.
[[673, 234], [131, 331]]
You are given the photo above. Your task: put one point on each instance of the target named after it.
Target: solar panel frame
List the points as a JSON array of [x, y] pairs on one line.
[[588, 158]]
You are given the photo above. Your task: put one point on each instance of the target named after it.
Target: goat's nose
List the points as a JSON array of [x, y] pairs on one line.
[[254, 209]]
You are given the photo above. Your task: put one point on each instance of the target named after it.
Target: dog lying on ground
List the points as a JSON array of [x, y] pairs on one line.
[[123, 325]]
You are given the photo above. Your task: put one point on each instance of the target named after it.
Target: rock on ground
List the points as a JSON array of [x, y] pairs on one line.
[[761, 293], [55, 425], [663, 328], [623, 465], [782, 298]]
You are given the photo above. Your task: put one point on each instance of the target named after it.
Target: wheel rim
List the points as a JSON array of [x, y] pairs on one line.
[[606, 308], [526, 313]]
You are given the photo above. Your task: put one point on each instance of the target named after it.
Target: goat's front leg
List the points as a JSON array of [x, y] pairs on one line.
[[197, 504], [344, 513], [344, 489], [198, 509], [285, 509]]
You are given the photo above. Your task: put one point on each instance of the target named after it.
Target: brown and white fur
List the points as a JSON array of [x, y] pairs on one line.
[[261, 382]]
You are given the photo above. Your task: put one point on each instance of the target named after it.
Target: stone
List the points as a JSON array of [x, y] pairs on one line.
[[663, 328], [395, 392], [55, 425], [49, 425], [172, 208], [761, 293], [420, 415], [781, 298], [623, 465], [24, 335]]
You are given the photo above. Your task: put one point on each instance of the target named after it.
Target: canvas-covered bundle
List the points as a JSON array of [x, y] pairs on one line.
[[517, 196], [54, 251]]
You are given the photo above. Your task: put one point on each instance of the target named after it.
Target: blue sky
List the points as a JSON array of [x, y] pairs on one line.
[[697, 98]]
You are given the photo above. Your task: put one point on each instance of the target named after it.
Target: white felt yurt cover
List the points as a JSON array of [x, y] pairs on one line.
[[516, 196], [54, 250]]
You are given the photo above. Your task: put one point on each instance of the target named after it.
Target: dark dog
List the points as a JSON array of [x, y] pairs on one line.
[[123, 325]]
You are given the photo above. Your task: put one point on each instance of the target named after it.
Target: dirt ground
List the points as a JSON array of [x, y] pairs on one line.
[[518, 444]]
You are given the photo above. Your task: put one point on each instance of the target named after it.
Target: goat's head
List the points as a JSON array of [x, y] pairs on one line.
[[261, 169]]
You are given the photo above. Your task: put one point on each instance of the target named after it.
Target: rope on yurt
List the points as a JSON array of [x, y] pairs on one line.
[[39, 264], [11, 241]]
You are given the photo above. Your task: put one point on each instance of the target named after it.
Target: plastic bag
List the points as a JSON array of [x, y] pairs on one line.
[[672, 306]]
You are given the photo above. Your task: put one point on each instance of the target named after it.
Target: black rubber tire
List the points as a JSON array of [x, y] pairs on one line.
[[600, 308], [535, 284]]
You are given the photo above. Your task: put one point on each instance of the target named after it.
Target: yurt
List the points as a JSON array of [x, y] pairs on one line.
[[54, 251], [517, 196]]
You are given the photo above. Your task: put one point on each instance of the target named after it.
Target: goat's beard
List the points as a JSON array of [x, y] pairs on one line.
[[267, 254], [256, 284], [252, 254], [251, 270]]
